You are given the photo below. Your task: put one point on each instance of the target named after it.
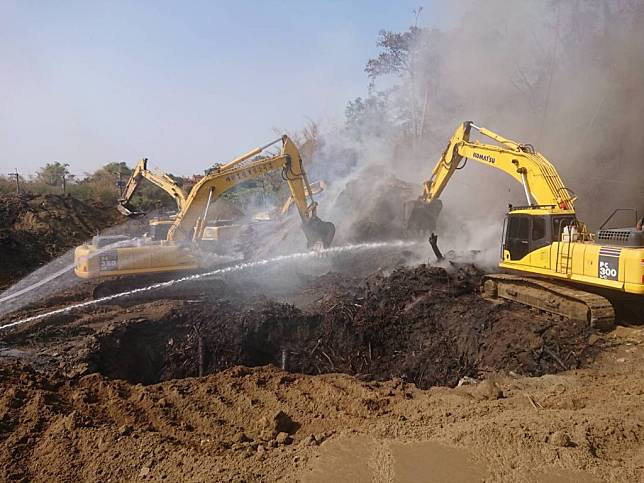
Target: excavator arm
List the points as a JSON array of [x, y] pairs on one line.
[[317, 188], [539, 178], [162, 180], [191, 221]]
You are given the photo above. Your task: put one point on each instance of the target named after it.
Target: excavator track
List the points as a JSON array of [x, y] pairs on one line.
[[554, 298]]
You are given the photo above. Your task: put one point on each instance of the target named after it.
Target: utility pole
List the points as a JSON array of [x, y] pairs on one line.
[[120, 184], [65, 173], [17, 177]]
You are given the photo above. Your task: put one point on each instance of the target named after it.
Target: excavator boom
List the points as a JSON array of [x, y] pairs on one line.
[[162, 180], [112, 256], [539, 178], [190, 222]]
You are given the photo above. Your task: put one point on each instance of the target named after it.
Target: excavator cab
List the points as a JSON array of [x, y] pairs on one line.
[[525, 231]]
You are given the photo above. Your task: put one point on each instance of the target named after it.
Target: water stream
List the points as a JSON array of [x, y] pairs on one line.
[[221, 271]]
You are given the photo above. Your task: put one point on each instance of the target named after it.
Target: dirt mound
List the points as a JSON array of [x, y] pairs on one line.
[[91, 429], [263, 424], [422, 324], [371, 207], [34, 229]]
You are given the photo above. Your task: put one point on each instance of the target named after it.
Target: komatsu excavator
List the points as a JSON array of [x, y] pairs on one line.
[[159, 226], [178, 248], [550, 259]]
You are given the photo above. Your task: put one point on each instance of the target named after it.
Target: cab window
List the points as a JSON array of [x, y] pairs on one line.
[[517, 238], [558, 225], [538, 227], [518, 228]]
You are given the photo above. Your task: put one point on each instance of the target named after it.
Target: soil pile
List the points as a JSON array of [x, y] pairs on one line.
[[35, 229], [371, 207], [263, 424], [93, 429], [422, 324]]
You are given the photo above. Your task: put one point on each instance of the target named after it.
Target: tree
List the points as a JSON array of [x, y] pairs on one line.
[[368, 117], [412, 57], [53, 174], [397, 55]]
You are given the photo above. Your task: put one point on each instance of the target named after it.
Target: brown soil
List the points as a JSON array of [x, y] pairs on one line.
[[84, 417], [393, 373], [34, 229], [250, 424]]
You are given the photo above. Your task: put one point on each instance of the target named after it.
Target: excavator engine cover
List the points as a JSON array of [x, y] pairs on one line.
[[420, 216], [317, 230]]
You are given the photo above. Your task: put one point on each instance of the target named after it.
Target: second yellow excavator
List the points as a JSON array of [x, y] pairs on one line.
[[161, 180], [179, 245], [552, 262]]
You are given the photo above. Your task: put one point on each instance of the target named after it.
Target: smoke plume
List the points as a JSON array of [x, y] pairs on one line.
[[564, 76]]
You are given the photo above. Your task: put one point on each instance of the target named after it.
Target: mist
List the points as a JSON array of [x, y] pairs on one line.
[[565, 77]]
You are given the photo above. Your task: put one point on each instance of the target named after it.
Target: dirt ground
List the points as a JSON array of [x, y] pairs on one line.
[[34, 229], [369, 391], [264, 424], [364, 366]]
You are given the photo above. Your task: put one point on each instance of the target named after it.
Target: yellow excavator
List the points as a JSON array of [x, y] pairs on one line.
[[223, 231], [316, 187], [549, 258], [158, 226], [162, 180], [181, 245]]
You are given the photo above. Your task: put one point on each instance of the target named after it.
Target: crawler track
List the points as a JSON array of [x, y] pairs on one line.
[[553, 298]]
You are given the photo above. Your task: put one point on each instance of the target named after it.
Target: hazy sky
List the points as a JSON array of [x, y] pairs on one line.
[[185, 84]]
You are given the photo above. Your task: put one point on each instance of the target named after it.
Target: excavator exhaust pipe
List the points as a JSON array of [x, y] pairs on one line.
[[421, 217], [317, 230]]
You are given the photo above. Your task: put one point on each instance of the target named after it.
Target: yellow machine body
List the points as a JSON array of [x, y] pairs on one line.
[[157, 178], [222, 233], [543, 239], [559, 256], [93, 262], [176, 244]]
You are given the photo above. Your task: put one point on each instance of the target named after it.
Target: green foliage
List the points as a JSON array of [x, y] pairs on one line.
[[368, 117], [395, 58], [101, 185], [53, 174]]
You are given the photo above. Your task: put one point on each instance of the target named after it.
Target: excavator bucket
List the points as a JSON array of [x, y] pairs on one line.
[[317, 230], [421, 217], [128, 210]]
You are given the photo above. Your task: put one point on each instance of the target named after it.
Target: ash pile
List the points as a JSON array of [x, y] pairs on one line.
[[424, 325]]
